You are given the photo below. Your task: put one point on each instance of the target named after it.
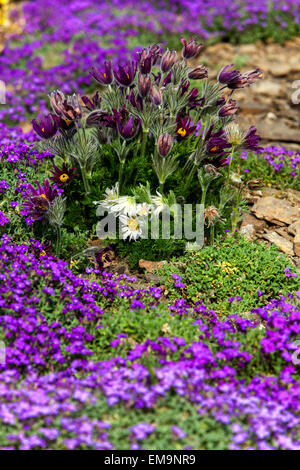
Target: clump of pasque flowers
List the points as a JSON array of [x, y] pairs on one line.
[[148, 110]]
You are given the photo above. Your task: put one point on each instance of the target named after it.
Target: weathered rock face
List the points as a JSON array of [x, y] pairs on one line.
[[268, 103], [283, 244], [275, 217], [275, 210]]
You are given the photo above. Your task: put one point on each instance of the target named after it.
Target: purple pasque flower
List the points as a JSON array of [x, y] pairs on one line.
[[129, 128], [185, 126], [155, 95], [63, 124], [216, 143], [194, 100], [93, 103], [38, 201], [253, 75], [63, 175], [145, 61], [232, 78], [103, 75], [252, 139], [228, 109], [198, 73], [190, 48], [67, 107], [168, 60], [137, 102], [144, 85], [46, 128], [125, 74], [102, 256]]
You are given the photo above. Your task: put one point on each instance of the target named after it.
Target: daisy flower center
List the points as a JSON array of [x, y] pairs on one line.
[[133, 224]]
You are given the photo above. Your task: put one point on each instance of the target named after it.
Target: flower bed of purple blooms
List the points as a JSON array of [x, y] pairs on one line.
[[76, 30], [59, 389], [51, 386]]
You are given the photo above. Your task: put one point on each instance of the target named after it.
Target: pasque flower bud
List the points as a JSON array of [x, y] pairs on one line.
[[164, 144], [155, 95], [168, 60], [144, 85]]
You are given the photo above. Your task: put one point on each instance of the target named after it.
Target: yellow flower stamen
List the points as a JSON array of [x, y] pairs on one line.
[[133, 224], [104, 75], [215, 148], [43, 253], [181, 132], [44, 196], [64, 177]]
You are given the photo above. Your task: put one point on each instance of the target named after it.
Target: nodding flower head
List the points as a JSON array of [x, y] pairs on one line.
[[216, 144], [38, 201], [228, 109], [253, 76], [232, 78], [103, 75], [198, 73], [190, 48], [46, 128], [125, 74], [252, 139]]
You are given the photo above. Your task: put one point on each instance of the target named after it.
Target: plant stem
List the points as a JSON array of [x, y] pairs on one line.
[[229, 166], [212, 234], [161, 187], [85, 180], [145, 134], [58, 241], [121, 168]]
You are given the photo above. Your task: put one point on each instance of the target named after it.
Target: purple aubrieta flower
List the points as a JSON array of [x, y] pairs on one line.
[[178, 432], [288, 273], [3, 219], [141, 431]]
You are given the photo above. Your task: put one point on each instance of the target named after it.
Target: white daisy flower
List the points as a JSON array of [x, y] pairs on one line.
[[160, 202], [131, 227], [124, 205], [110, 196], [143, 210]]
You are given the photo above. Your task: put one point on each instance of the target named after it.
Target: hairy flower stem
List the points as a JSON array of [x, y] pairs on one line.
[[212, 234], [58, 241], [145, 134], [85, 181], [161, 187], [121, 168], [229, 166]]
